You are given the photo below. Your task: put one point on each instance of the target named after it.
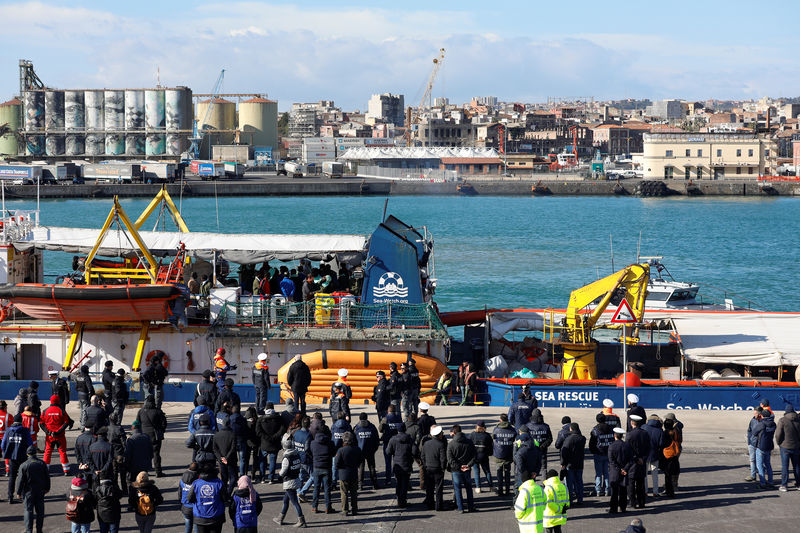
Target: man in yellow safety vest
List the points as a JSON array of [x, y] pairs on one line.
[[529, 507], [557, 496]]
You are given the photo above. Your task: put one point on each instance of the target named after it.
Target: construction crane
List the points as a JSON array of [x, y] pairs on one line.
[[414, 119], [197, 136]]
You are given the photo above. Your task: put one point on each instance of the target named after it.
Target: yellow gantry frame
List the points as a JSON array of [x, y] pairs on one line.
[[162, 196], [118, 212]]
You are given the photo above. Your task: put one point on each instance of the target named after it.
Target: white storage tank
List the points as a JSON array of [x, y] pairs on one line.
[[54, 110]]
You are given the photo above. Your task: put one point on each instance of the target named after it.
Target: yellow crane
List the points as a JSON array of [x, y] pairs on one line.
[[575, 336], [413, 118]]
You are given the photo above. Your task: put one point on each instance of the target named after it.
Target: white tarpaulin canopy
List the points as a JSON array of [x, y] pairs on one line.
[[752, 339], [241, 248], [503, 322]]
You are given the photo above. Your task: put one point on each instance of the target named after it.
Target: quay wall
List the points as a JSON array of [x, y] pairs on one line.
[[355, 187]]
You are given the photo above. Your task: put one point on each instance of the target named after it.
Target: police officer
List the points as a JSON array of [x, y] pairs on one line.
[[154, 425], [388, 428], [119, 396], [414, 386], [434, 462], [529, 506], [85, 388], [620, 462], [154, 378], [519, 414], [33, 483], [600, 438], [635, 409], [381, 394], [527, 457], [540, 432], [396, 386], [60, 387], [503, 437], [639, 441], [608, 410], [207, 391], [557, 503], [108, 377], [227, 396], [368, 441], [261, 381]]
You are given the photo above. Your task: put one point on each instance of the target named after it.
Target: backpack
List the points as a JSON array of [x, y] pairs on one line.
[[144, 506], [74, 505], [673, 450]]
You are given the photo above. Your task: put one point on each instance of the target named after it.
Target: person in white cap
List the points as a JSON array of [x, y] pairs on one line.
[[620, 462], [425, 420], [60, 387], [261, 381], [342, 373], [635, 409], [434, 463], [639, 441], [608, 410]]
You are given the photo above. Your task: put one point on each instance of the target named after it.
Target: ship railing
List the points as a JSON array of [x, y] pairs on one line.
[[330, 314], [17, 224]]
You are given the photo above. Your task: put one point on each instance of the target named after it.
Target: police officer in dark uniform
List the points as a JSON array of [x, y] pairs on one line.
[[154, 378], [396, 383], [620, 462], [519, 414], [108, 384], [388, 428], [85, 388], [639, 441], [381, 395], [261, 381], [541, 433]]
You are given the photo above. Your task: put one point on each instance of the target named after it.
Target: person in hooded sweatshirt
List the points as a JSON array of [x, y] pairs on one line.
[[15, 444], [348, 459], [572, 456], [290, 472], [138, 452], [225, 451], [83, 514], [322, 452], [154, 425], [109, 509], [208, 498], [787, 437], [270, 429], [654, 430], [143, 499], [764, 433], [20, 401], [245, 506], [188, 477], [368, 442], [34, 402], [197, 412]]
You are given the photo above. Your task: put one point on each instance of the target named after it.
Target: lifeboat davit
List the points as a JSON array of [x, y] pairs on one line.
[[92, 303]]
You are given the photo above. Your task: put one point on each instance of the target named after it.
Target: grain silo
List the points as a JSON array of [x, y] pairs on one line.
[[74, 123], [94, 104], [34, 110], [175, 107], [114, 103], [258, 117], [155, 118], [222, 117], [11, 114], [34, 144], [134, 122]]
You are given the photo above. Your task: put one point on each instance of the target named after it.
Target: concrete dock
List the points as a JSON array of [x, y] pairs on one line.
[[713, 495], [268, 184]]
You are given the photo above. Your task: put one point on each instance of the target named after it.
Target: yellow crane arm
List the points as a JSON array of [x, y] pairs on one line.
[[632, 278]]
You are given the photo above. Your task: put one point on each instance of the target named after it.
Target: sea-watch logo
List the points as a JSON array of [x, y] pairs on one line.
[[390, 285]]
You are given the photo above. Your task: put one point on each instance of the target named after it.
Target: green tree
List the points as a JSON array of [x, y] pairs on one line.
[[283, 125]]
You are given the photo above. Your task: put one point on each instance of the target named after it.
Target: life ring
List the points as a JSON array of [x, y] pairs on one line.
[[163, 355]]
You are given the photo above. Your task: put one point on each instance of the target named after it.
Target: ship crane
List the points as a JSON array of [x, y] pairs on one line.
[[414, 118]]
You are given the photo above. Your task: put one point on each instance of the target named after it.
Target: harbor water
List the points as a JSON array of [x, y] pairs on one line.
[[518, 251]]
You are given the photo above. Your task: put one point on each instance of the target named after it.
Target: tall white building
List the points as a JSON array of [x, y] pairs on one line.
[[386, 107]]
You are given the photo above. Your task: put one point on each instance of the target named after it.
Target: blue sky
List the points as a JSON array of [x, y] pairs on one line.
[[345, 51]]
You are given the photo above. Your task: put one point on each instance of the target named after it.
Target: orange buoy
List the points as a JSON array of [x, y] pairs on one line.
[[630, 379]]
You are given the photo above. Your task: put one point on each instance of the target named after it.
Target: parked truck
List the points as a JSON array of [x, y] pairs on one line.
[[233, 169], [210, 170], [153, 172], [113, 172], [295, 169], [332, 169]]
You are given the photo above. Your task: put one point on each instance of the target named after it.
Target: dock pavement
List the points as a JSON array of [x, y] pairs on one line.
[[712, 496]]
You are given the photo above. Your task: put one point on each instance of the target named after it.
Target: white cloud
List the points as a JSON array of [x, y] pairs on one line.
[[346, 54]]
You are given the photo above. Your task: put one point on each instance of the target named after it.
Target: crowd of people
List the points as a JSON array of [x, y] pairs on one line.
[[763, 433], [233, 447]]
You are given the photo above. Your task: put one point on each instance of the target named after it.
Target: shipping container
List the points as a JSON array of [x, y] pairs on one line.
[[210, 170], [26, 173], [332, 169], [113, 172], [295, 169], [237, 153], [233, 170], [158, 172]]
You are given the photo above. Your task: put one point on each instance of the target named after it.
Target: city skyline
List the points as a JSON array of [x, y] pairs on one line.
[[309, 51]]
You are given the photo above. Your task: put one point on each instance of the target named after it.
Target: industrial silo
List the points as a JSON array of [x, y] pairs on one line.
[[155, 120], [54, 110], [134, 122], [74, 122], [34, 144], [221, 117], [34, 110], [94, 103], [258, 118], [11, 114], [114, 102], [55, 144], [175, 109]]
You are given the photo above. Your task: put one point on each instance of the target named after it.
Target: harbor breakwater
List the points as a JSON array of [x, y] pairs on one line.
[[359, 187]]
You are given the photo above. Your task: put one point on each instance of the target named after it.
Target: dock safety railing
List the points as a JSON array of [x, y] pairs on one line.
[[329, 313]]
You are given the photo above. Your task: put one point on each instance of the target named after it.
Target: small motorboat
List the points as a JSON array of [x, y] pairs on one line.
[[93, 303], [466, 189]]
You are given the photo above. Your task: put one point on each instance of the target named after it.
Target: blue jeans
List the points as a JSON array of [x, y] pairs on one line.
[[461, 479], [794, 457], [322, 477], [751, 450], [188, 521], [81, 528], [334, 476], [272, 458], [575, 485], [763, 466], [305, 478], [290, 495], [106, 527], [388, 460], [476, 473], [601, 485], [244, 457]]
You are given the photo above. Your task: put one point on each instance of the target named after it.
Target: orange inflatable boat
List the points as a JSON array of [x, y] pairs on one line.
[[361, 367]]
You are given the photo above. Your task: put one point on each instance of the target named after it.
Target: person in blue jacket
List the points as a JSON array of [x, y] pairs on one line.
[[503, 437], [302, 440], [197, 412], [245, 506], [764, 433], [368, 441], [519, 414], [15, 445], [184, 485], [207, 496], [338, 429]]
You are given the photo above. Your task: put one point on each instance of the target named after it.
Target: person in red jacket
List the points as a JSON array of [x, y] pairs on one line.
[[31, 421], [55, 422], [6, 419]]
